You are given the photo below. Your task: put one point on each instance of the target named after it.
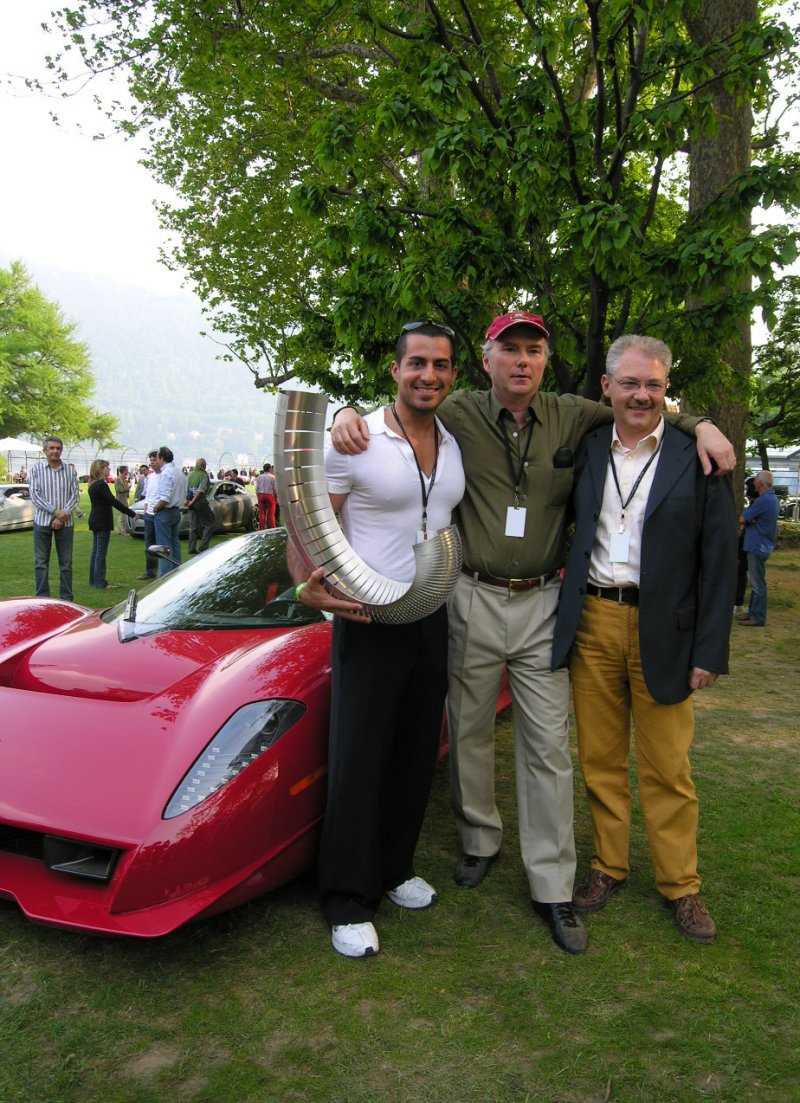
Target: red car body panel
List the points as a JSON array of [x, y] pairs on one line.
[[93, 747], [97, 735]]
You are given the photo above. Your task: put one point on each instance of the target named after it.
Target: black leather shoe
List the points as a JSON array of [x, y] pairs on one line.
[[566, 928], [470, 870]]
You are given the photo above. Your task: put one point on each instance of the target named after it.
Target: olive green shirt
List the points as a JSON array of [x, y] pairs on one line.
[[476, 420]]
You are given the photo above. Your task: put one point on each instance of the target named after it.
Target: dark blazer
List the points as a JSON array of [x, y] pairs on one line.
[[103, 503], [688, 563]]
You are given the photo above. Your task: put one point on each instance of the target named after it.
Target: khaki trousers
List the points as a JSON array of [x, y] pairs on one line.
[[608, 689], [492, 630]]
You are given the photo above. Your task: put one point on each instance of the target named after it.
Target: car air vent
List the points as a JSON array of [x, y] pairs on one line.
[[25, 844], [79, 859]]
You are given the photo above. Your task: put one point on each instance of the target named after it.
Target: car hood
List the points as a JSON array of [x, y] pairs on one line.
[[88, 660], [101, 760]]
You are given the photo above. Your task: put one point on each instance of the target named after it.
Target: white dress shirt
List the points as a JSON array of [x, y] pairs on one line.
[[629, 464]]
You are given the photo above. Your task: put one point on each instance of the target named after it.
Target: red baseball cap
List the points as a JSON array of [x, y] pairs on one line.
[[515, 318]]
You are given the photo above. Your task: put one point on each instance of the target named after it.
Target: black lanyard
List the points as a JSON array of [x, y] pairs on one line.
[[425, 493], [635, 486], [516, 478]]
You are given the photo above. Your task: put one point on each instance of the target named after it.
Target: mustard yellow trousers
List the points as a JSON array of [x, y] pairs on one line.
[[608, 692]]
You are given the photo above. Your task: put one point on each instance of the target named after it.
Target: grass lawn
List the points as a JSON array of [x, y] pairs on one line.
[[469, 1002]]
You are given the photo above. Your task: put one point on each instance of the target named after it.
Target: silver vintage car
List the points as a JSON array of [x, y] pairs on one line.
[[233, 508], [16, 507]]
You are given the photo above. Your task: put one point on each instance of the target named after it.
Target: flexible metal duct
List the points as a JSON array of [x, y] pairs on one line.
[[308, 516]]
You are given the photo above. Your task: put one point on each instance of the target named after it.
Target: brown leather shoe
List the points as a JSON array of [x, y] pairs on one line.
[[748, 622], [595, 891], [692, 918]]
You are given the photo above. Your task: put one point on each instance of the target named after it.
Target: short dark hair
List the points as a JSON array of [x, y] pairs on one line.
[[426, 329], [47, 440], [165, 454]]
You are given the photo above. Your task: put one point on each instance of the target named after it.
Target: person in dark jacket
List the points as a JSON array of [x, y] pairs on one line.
[[101, 521], [644, 617]]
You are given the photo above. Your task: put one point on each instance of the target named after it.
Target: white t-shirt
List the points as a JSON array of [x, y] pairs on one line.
[[383, 511]]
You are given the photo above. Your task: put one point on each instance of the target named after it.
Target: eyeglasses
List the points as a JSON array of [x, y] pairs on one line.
[[409, 327], [631, 386]]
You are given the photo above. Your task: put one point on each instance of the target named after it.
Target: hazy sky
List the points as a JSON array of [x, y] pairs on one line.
[[67, 201]]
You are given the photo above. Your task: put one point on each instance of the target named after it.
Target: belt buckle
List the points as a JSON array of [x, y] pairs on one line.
[[620, 592]]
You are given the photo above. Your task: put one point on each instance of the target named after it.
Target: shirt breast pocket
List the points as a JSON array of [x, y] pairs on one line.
[[555, 487]]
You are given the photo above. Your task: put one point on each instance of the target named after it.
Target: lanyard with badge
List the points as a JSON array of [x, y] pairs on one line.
[[422, 534], [515, 515], [621, 540]]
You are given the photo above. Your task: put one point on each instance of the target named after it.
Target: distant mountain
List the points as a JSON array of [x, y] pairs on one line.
[[158, 375]]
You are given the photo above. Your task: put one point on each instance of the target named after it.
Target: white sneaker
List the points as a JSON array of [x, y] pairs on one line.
[[738, 610], [414, 894], [355, 939]]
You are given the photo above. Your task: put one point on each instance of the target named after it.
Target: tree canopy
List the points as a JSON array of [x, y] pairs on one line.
[[341, 166], [775, 382], [46, 382]]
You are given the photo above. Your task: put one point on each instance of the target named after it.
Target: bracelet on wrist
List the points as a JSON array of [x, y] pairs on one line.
[[299, 589]]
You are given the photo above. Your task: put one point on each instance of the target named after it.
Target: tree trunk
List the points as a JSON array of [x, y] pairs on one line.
[[714, 160]]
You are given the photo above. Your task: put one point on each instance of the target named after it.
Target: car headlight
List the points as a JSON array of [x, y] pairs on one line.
[[240, 741]]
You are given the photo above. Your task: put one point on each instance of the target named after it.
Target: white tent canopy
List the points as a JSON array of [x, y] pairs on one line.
[[16, 444], [22, 450]]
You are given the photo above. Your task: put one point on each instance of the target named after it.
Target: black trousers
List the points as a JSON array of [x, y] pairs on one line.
[[387, 698], [741, 573]]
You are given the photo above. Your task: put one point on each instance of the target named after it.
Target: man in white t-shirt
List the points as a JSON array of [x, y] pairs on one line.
[[388, 681]]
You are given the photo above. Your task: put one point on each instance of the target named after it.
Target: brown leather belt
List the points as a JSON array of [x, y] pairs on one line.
[[625, 595], [509, 583]]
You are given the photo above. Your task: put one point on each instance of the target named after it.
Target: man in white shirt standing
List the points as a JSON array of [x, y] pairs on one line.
[[388, 681], [55, 494], [645, 608], [150, 497], [172, 486]]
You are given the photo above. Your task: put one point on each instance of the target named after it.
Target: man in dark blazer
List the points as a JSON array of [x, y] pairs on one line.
[[644, 620]]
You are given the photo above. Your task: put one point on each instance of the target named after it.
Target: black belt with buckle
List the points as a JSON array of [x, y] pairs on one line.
[[509, 583], [623, 595]]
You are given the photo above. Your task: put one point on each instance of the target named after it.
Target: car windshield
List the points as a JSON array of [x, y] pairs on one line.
[[240, 583]]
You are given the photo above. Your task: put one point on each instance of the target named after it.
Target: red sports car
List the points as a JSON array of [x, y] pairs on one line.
[[164, 759]]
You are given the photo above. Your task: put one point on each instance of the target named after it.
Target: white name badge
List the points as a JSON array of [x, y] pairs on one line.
[[515, 521], [620, 547]]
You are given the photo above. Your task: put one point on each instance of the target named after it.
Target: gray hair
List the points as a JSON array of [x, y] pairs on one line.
[[47, 440], [651, 346], [765, 478]]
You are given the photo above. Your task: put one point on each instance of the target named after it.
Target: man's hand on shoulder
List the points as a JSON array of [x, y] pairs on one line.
[[349, 432], [714, 448]]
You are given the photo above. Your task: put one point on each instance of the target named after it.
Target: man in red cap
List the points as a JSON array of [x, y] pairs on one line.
[[518, 446]]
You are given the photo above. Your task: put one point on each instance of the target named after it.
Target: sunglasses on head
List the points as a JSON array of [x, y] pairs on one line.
[[409, 327]]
